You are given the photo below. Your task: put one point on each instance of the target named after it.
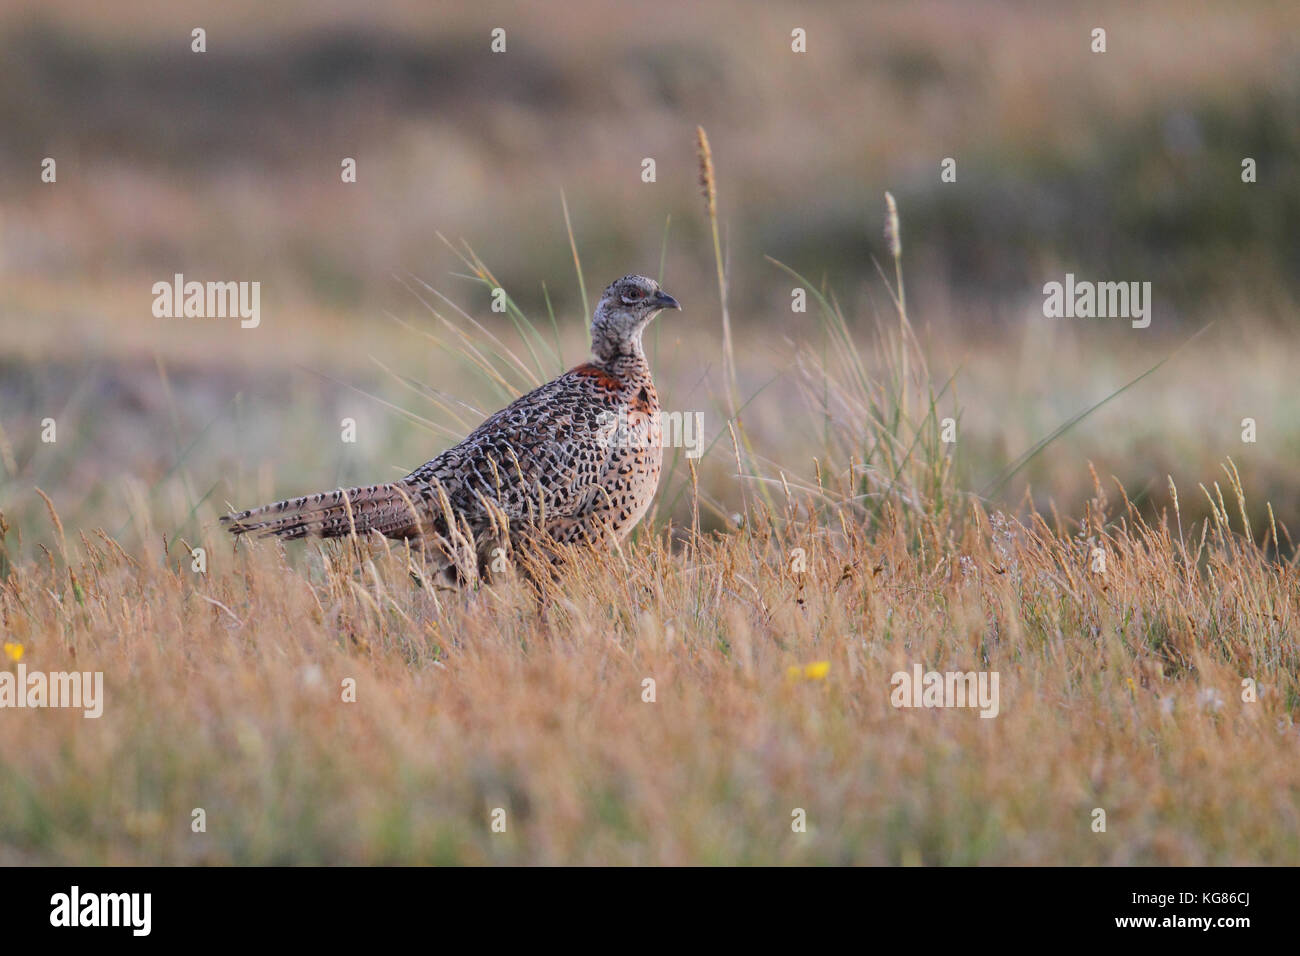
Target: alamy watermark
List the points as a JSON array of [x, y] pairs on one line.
[[208, 300], [76, 689], [947, 689], [130, 910], [1098, 300], [676, 430]]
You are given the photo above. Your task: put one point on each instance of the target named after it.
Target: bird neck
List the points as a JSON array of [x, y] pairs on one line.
[[624, 357]]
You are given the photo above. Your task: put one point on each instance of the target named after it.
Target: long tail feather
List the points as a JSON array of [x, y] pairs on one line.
[[386, 509]]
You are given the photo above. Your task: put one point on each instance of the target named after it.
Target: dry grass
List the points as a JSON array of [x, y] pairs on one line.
[[1119, 690]]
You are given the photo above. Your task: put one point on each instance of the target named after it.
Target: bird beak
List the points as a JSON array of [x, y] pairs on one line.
[[663, 300]]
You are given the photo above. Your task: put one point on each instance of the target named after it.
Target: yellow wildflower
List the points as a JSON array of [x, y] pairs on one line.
[[817, 670]]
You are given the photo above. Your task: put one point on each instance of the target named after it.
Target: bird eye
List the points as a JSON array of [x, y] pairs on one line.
[[633, 295]]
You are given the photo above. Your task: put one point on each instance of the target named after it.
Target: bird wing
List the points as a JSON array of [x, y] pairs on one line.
[[540, 456]]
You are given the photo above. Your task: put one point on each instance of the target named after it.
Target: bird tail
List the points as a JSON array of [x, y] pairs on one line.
[[387, 509]]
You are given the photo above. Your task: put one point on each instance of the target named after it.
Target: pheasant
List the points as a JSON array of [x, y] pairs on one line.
[[575, 460]]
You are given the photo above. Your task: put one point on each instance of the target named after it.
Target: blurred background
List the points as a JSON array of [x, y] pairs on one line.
[[225, 166]]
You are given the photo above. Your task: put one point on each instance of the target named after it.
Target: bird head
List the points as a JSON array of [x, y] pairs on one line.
[[625, 309]]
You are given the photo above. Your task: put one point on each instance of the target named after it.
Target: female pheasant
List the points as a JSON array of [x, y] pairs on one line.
[[578, 458]]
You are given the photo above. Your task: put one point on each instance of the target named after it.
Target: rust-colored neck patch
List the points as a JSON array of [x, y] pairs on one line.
[[602, 376]]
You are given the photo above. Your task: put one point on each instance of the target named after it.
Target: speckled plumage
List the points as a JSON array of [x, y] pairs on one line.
[[578, 458]]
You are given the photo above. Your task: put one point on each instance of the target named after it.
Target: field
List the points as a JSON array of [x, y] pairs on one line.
[[920, 471]]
